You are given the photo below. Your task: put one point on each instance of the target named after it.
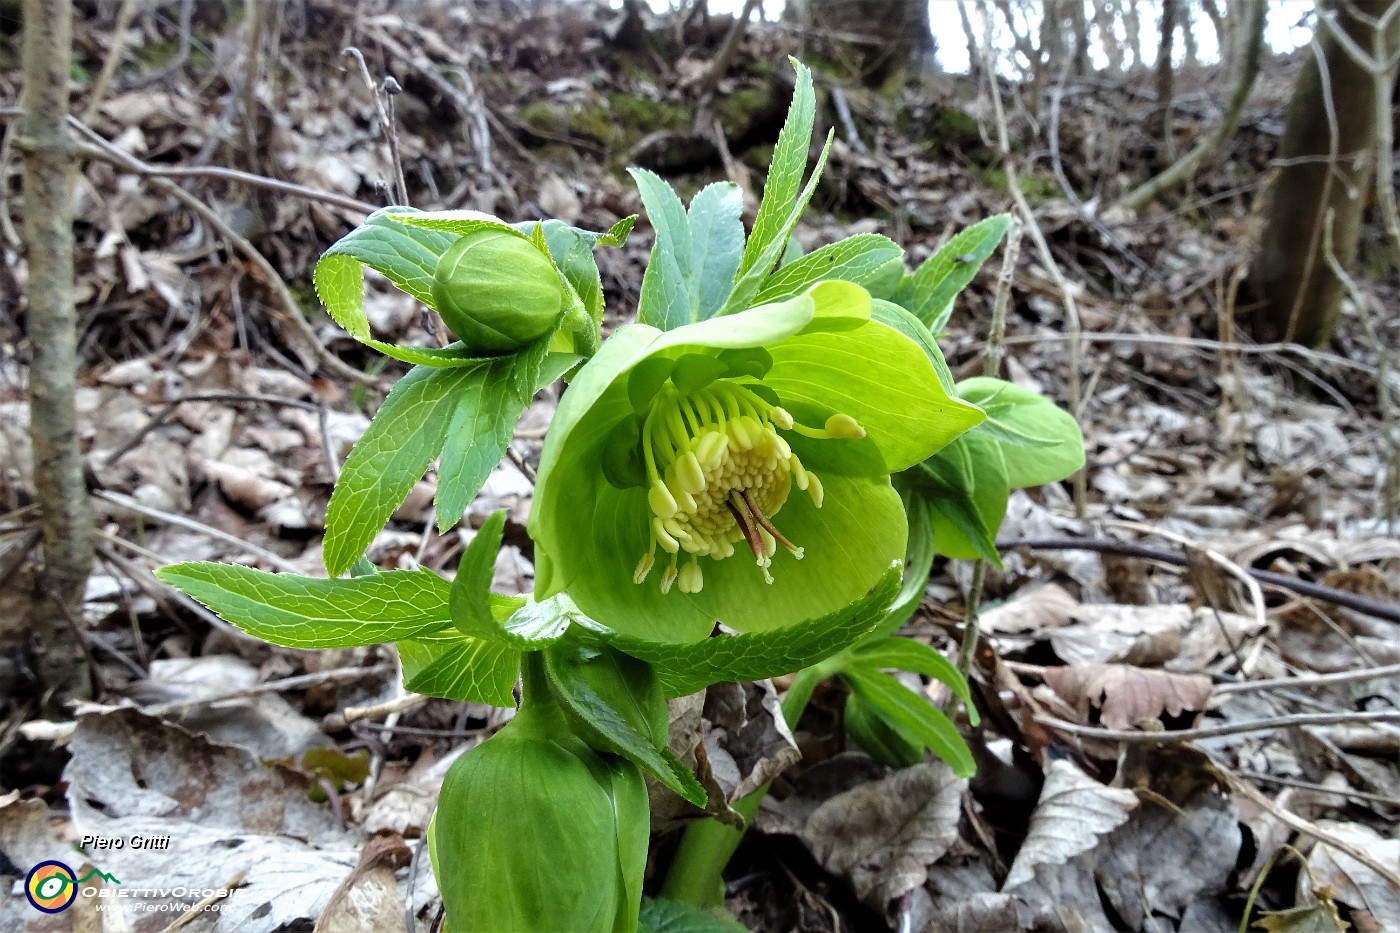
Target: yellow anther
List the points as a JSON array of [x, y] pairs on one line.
[[663, 504], [663, 537], [690, 473], [844, 426], [692, 579], [719, 472], [711, 448]]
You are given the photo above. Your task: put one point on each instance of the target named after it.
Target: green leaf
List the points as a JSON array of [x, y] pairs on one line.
[[751, 277], [311, 612], [572, 252], [881, 379], [454, 666], [685, 668], [771, 227], [930, 290], [452, 356], [871, 732], [966, 485], [874, 262], [1051, 447], [918, 562], [406, 255], [695, 253], [616, 704], [488, 404], [471, 588], [905, 654], [892, 315], [665, 916], [406, 434], [913, 717]]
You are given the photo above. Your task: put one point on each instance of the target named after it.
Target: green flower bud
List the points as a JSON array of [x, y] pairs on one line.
[[537, 831], [496, 291]]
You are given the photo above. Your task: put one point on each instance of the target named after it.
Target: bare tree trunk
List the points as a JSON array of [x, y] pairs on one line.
[[1185, 168], [1105, 19], [896, 35], [52, 319], [1326, 157], [1133, 24], [1163, 116]]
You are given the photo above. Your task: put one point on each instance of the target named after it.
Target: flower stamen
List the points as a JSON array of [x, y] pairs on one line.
[[717, 472]]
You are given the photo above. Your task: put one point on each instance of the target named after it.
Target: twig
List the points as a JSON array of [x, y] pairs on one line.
[[170, 518], [1311, 829], [391, 134], [971, 629], [1202, 343], [121, 160], [843, 113], [1047, 258], [1371, 607], [114, 55], [1319, 788], [719, 65], [196, 910], [160, 710], [994, 350], [1310, 680], [397, 705], [1139, 737]]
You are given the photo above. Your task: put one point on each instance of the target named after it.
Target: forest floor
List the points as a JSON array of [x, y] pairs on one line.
[[214, 415]]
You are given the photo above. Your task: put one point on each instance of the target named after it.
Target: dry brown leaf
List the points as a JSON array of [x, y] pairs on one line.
[[1317, 917], [1038, 610], [882, 836], [1128, 694], [369, 898], [1374, 900], [1074, 813], [1110, 633]]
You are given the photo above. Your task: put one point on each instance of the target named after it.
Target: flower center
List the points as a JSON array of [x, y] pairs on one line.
[[717, 473]]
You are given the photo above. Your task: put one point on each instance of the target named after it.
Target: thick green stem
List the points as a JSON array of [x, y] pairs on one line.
[[696, 873]]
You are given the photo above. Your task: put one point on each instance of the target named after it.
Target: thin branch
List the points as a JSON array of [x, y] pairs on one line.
[[1312, 829], [1371, 607], [291, 309], [129, 164], [1312, 680], [170, 518], [1154, 737]]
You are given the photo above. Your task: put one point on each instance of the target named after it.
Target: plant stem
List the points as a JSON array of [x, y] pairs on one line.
[[52, 320], [971, 632], [696, 874]]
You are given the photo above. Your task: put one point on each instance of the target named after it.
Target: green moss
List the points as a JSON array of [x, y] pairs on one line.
[[737, 109], [1038, 187]]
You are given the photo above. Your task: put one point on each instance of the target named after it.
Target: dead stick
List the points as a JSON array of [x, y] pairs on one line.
[[1371, 607]]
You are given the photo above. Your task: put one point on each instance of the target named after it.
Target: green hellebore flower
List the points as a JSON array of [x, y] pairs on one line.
[[736, 469]]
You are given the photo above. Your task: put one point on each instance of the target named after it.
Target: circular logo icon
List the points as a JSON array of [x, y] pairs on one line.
[[51, 887]]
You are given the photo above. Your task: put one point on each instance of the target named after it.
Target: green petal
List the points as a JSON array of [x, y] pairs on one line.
[[879, 377], [849, 544]]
